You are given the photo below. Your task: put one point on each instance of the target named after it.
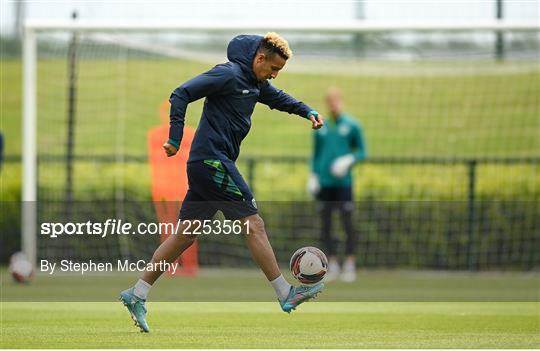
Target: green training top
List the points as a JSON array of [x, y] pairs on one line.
[[333, 140]]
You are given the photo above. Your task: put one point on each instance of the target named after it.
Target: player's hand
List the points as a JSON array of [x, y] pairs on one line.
[[341, 166], [316, 122], [313, 184], [170, 150]]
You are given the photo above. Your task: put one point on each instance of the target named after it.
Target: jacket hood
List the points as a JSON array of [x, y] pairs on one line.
[[242, 49]]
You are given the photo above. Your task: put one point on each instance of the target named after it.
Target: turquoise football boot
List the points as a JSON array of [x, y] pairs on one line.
[[299, 294], [136, 308]]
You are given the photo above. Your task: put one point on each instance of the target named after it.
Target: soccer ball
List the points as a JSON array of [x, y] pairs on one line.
[[308, 265], [20, 268]]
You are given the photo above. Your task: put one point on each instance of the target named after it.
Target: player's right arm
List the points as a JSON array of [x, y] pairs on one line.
[[315, 161], [215, 80], [314, 185]]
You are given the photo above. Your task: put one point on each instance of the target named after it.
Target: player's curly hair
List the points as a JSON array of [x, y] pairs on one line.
[[272, 43]]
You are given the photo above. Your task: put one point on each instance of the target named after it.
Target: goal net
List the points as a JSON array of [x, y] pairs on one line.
[[450, 121]]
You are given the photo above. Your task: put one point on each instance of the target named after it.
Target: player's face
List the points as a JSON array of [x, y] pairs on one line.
[[267, 67], [334, 103]]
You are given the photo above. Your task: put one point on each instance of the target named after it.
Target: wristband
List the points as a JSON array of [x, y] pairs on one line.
[[314, 114], [174, 143]]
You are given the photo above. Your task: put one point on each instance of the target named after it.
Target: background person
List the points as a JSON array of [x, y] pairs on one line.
[[337, 146]]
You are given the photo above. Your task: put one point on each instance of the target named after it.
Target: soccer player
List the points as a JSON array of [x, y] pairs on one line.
[[231, 89], [337, 146]]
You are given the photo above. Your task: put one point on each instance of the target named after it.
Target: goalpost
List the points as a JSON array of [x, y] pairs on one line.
[[30, 179]]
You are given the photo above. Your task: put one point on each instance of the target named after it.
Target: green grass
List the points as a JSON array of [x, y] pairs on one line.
[[249, 285], [480, 109], [461, 114], [447, 115], [263, 325], [236, 308]]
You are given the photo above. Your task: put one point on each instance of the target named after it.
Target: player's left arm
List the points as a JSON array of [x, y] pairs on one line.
[[280, 100], [358, 144], [341, 166]]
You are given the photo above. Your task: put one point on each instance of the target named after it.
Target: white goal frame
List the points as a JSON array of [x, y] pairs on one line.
[[32, 27]]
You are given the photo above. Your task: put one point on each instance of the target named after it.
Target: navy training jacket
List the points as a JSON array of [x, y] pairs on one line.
[[231, 90]]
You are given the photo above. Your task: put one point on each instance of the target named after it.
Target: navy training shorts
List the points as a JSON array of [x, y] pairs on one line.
[[215, 186]]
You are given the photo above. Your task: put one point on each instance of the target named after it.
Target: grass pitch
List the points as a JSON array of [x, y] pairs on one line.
[[263, 325], [449, 115], [383, 309], [446, 109]]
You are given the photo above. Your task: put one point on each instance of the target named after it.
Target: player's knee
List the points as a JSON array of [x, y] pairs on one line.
[[348, 207], [256, 225], [186, 234]]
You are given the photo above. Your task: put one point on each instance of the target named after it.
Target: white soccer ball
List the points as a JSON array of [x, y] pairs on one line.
[[20, 268], [309, 265]]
